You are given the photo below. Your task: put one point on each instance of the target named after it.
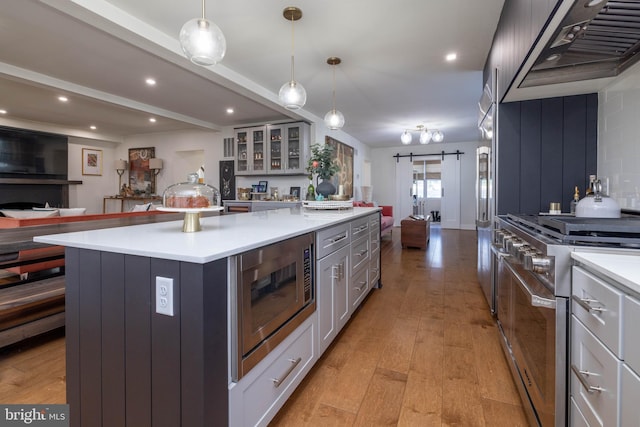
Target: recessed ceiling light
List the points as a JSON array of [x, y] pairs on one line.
[[63, 99], [229, 110], [92, 127], [3, 111], [451, 56], [152, 119], [151, 82]]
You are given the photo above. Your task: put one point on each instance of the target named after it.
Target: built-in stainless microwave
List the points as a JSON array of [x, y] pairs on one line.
[[275, 294]]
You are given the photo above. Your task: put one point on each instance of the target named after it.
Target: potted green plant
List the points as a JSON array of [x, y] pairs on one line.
[[322, 163]]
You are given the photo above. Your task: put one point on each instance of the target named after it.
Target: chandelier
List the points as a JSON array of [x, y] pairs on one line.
[[426, 135]]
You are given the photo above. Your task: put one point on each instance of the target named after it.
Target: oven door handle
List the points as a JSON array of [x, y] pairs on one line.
[[543, 301]]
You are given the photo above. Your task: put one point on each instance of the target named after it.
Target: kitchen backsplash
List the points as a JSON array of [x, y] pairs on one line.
[[619, 139]]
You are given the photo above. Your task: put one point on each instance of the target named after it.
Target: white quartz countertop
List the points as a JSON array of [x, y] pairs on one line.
[[221, 236], [623, 268]]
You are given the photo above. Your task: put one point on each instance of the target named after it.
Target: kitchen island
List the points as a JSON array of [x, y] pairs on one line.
[[127, 365]]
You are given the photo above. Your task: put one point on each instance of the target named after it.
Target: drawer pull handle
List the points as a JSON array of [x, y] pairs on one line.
[[582, 376], [362, 285], [294, 363], [586, 304], [333, 241], [335, 272], [362, 252]]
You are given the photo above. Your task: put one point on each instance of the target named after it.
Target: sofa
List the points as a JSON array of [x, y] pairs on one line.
[[386, 216]]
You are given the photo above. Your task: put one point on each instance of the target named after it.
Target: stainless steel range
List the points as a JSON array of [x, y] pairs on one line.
[[532, 272]]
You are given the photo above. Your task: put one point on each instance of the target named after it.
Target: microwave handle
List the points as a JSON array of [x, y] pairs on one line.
[[547, 301]]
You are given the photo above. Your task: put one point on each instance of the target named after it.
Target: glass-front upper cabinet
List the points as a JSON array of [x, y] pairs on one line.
[[250, 151], [259, 154], [273, 149], [242, 151], [296, 147]]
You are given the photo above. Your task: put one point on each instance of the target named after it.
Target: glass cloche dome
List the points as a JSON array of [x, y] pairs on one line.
[[191, 195]]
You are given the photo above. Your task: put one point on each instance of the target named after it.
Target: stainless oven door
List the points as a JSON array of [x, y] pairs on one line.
[[538, 340], [271, 291]]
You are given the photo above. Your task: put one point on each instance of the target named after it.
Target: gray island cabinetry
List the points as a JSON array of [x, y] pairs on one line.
[[129, 365]]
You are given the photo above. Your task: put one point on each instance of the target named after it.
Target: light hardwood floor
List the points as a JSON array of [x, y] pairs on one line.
[[422, 351]]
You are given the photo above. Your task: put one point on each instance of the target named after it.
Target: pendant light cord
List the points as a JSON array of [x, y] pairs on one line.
[[292, 49], [334, 87], [203, 15]]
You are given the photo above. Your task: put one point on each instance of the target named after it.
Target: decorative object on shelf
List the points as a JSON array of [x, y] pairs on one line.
[[191, 198], [140, 176], [311, 191], [426, 135], [121, 166], [322, 162], [91, 161], [202, 41], [292, 94], [262, 186], [228, 181], [343, 155], [295, 192], [155, 165], [334, 119]]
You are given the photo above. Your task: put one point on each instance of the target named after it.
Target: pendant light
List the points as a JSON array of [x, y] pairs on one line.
[[334, 119], [292, 94], [202, 41], [438, 136]]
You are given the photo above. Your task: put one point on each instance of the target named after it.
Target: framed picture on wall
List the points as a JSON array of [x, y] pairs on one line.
[[140, 176], [343, 154], [91, 161]]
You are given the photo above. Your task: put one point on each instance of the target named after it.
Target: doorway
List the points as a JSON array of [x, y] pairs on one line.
[[433, 184]]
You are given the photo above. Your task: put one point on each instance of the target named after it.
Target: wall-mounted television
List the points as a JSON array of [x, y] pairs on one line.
[[32, 154]]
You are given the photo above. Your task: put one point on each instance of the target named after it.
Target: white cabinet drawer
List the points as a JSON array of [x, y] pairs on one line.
[[359, 228], [260, 394], [359, 254], [629, 398], [331, 239], [576, 418], [630, 339], [599, 306], [594, 366], [358, 288]]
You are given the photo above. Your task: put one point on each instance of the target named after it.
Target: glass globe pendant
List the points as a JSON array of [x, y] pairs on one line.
[[202, 41], [438, 136], [334, 119], [406, 137], [292, 94], [425, 136]]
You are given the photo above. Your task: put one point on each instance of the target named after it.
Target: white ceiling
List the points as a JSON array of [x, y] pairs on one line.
[[393, 73]]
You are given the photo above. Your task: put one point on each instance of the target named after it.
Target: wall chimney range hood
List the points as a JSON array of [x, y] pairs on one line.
[[595, 39]]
